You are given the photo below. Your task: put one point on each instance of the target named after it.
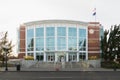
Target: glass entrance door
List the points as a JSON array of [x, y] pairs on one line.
[[39, 56]]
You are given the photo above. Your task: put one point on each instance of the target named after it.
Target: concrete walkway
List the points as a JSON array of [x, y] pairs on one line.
[[61, 69]]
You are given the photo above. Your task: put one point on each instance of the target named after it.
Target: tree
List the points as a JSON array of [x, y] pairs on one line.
[[4, 41], [110, 43]]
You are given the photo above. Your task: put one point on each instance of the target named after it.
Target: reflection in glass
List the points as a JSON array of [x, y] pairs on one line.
[[30, 40], [61, 38], [82, 40], [72, 39], [39, 32]]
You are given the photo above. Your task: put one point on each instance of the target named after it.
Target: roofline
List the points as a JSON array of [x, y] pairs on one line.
[[55, 21]]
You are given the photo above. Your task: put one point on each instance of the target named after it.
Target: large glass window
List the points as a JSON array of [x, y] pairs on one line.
[[61, 31], [72, 32], [39, 39], [30, 39], [50, 43], [50, 31], [82, 40], [39, 32], [72, 43], [50, 38], [39, 44], [61, 43], [82, 32], [72, 39], [30, 33], [82, 44], [61, 38]]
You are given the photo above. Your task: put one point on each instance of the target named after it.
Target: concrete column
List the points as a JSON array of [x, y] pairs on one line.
[[77, 56], [56, 57], [67, 57], [34, 43], [55, 38], [44, 57]]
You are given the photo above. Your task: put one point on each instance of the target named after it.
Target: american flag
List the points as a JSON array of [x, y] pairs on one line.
[[94, 12]]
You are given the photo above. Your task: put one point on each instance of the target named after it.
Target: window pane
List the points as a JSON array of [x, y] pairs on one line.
[[61, 43], [82, 44], [61, 31], [39, 32], [50, 43], [50, 31], [72, 32], [72, 43], [30, 33], [82, 32]]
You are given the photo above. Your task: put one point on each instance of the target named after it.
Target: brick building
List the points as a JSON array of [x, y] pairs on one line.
[[56, 40]]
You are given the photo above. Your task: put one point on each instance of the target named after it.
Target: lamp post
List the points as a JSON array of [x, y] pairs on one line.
[[6, 48]]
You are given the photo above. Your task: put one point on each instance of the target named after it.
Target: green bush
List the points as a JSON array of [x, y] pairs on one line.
[[110, 64]]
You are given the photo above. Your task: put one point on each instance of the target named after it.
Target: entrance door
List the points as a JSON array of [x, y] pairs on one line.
[[39, 56], [61, 58]]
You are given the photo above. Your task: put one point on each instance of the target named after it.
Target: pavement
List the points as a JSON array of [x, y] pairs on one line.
[[57, 69], [59, 75]]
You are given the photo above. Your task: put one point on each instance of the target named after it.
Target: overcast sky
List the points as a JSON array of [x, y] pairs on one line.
[[15, 12]]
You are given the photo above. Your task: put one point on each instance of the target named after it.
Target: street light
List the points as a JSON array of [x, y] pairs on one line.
[[6, 48]]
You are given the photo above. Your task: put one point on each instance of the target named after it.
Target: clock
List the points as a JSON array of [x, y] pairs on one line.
[[91, 31]]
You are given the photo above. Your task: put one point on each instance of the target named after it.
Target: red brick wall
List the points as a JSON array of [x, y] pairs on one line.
[[94, 39], [22, 41]]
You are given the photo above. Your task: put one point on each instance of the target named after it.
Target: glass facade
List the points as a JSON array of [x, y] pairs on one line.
[[44, 43], [50, 38], [82, 39], [72, 38], [61, 38], [30, 40], [39, 35]]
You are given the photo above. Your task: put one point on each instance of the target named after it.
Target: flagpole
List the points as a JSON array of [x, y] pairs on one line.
[[94, 15]]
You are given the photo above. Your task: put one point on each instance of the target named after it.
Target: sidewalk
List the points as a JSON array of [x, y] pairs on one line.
[[53, 69]]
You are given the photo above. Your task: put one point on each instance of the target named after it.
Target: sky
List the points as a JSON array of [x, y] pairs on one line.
[[16, 12]]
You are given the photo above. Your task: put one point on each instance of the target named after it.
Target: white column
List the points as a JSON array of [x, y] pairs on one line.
[[67, 57], [34, 44], [55, 38], [77, 27], [56, 57], [77, 38], [66, 38], [86, 43], [77, 56], [67, 44], [44, 43], [44, 57], [44, 38], [26, 42]]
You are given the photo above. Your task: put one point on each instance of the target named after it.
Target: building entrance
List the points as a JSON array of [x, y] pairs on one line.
[[40, 57], [61, 57]]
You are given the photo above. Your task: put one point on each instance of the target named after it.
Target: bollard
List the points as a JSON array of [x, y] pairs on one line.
[[18, 67]]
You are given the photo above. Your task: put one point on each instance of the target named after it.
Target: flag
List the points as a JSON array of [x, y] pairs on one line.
[[94, 12]]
